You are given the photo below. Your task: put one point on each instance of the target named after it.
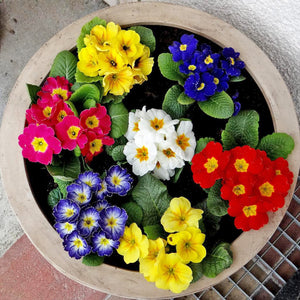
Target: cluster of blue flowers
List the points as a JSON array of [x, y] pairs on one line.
[[207, 72], [85, 220]]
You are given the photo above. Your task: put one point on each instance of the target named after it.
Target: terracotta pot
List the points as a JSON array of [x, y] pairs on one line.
[[106, 278]]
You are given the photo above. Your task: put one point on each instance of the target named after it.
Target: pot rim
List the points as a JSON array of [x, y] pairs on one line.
[[14, 175]]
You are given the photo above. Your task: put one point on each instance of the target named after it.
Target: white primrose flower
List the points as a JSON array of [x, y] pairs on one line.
[[162, 173], [157, 122], [168, 158], [141, 153], [183, 141], [133, 123]]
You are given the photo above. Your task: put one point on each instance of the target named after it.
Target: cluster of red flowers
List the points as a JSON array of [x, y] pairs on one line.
[[53, 126], [251, 182]]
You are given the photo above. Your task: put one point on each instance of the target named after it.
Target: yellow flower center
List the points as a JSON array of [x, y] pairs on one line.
[[232, 62], [81, 197], [239, 189], [169, 153], [250, 211], [183, 47], [136, 127], [266, 189], [104, 241], [60, 92], [78, 243], [157, 124], [116, 180], [201, 87], [192, 67], [183, 141], [73, 132], [241, 165], [208, 60], [277, 172], [68, 226], [69, 212], [142, 154], [88, 222], [92, 122], [61, 115], [211, 165], [39, 144], [95, 145], [47, 111], [216, 81], [111, 222]]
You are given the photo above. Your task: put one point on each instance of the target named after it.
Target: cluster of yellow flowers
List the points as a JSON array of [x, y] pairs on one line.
[[167, 270], [117, 55]]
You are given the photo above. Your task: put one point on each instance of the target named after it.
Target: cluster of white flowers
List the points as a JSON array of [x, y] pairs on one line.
[[155, 145]]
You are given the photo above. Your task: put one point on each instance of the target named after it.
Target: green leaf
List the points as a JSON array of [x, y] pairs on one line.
[[134, 212], [92, 260], [76, 86], [119, 119], [184, 99], [215, 204], [277, 145], [154, 231], [32, 91], [146, 35], [237, 79], [117, 153], [65, 167], [77, 151], [85, 92], [219, 260], [241, 130], [170, 104], [89, 103], [54, 196], [113, 98], [219, 106], [72, 107], [202, 142], [86, 29], [152, 196], [64, 65], [120, 141], [197, 271], [81, 78], [177, 174], [169, 68], [62, 184]]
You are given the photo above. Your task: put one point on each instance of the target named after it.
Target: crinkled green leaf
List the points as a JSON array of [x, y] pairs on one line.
[[92, 260], [54, 196], [146, 35], [169, 68], [215, 204], [201, 143], [154, 231], [64, 65], [170, 104], [62, 184], [117, 153], [119, 119], [197, 271], [241, 130], [216, 262], [32, 91], [85, 92], [184, 99], [219, 106], [152, 196], [86, 30], [113, 98], [89, 103], [237, 78], [81, 78], [134, 212], [119, 141], [277, 145]]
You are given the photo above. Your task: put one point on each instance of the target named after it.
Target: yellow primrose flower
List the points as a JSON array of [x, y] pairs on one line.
[[118, 83], [173, 273], [180, 215], [127, 43], [133, 244], [89, 61], [148, 264], [110, 62], [189, 244]]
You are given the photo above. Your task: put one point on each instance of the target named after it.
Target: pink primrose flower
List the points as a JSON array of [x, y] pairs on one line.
[[61, 111]]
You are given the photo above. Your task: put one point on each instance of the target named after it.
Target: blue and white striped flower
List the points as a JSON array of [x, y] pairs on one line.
[[102, 191], [101, 204], [103, 245], [79, 193], [118, 180], [65, 228], [76, 245], [112, 221], [91, 179], [88, 221], [66, 211]]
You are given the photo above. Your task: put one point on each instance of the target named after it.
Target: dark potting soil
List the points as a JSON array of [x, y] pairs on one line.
[[151, 93]]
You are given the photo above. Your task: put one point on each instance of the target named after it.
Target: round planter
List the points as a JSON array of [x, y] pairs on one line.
[[106, 278]]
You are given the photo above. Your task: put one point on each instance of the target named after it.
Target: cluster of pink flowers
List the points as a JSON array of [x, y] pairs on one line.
[[53, 126]]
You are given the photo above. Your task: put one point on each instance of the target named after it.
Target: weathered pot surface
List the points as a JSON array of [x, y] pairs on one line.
[[107, 278]]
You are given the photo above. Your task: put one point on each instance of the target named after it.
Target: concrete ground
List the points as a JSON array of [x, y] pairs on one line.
[[26, 25]]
